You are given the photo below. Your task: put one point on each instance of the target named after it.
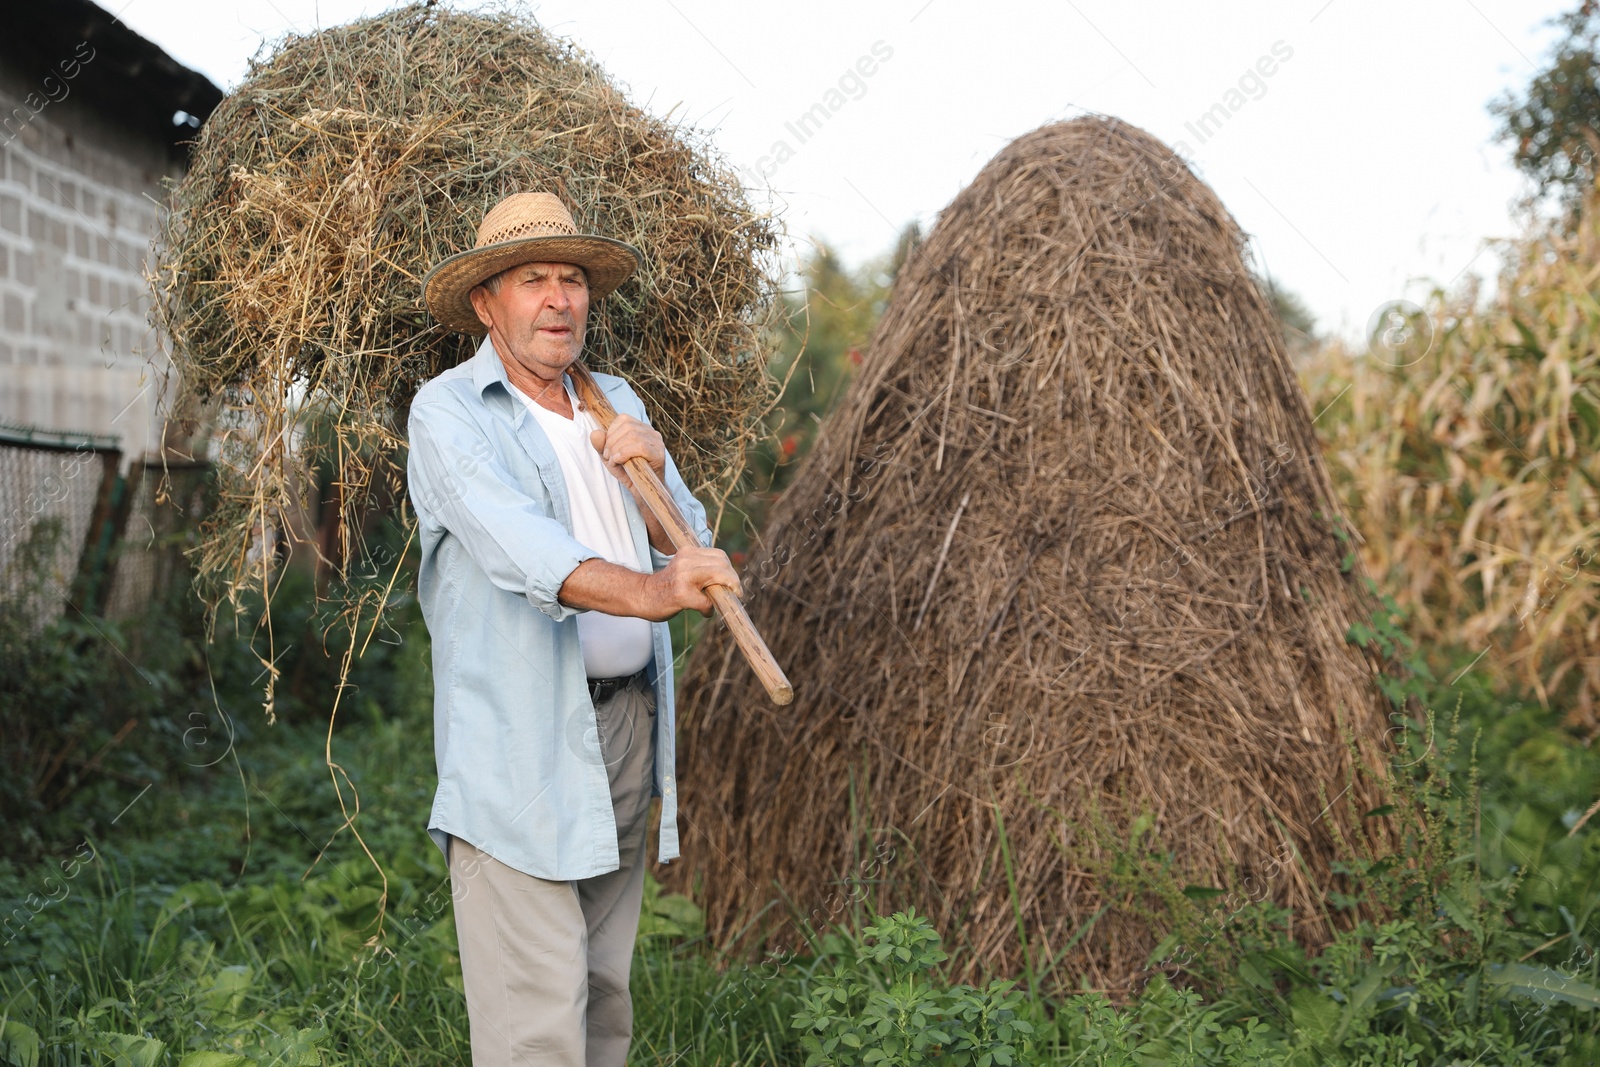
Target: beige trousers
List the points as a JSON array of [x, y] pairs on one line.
[[545, 964]]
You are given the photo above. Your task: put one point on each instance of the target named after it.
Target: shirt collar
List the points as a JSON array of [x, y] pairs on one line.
[[487, 368]]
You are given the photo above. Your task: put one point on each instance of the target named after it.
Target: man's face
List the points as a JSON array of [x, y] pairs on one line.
[[538, 315]]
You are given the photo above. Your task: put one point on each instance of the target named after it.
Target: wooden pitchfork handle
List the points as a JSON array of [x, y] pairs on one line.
[[665, 509]]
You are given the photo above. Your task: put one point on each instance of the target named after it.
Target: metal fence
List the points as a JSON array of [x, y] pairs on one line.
[[54, 489], [163, 505], [75, 530]]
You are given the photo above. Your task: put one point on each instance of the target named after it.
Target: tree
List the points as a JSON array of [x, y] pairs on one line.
[[1555, 125], [827, 322], [1298, 322]]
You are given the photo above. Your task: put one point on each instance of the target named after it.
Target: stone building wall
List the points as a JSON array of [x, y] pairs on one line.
[[79, 199]]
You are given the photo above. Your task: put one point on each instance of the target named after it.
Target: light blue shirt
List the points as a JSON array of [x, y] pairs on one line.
[[514, 736]]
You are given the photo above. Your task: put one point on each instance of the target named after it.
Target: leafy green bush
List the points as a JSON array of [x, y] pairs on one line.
[[880, 1005], [93, 709], [78, 705]]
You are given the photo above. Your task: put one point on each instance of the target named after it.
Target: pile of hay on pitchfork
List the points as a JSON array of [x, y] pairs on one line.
[[352, 159], [1059, 589]]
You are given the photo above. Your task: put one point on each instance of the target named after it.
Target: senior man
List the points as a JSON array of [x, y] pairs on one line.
[[546, 587]]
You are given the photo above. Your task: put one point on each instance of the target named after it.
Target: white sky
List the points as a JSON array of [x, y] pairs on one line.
[[1364, 165]]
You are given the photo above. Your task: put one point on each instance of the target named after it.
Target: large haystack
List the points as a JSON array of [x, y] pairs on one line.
[[352, 159], [1061, 558]]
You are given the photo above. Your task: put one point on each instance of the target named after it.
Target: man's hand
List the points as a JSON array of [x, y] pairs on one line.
[[602, 586], [682, 582], [628, 438]]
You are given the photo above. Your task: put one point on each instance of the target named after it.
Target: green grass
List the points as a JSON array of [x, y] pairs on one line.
[[201, 922], [196, 924]]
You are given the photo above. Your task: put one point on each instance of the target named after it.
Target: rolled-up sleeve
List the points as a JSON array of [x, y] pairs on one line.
[[459, 485]]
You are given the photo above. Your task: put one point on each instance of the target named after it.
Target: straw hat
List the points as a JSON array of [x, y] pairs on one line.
[[523, 228]]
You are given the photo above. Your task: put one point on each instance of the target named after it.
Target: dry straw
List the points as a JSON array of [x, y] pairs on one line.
[[1062, 562], [352, 159]]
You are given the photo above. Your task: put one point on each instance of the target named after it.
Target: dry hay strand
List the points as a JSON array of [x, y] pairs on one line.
[[352, 159], [1062, 558]]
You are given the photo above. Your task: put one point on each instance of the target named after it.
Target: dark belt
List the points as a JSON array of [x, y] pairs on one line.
[[603, 689]]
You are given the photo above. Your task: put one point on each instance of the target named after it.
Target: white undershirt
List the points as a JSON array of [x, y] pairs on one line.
[[614, 646]]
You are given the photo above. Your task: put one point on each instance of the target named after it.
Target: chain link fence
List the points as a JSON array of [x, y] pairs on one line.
[[75, 530], [165, 503], [54, 489]]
